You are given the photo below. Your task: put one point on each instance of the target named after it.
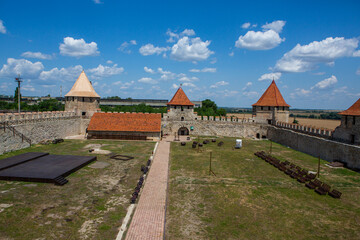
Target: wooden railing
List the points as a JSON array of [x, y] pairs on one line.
[[5, 125]]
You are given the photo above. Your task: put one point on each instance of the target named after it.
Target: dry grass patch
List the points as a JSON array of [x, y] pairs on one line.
[[90, 206]]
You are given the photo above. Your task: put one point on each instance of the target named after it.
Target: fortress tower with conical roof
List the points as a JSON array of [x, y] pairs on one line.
[[82, 97], [271, 107], [349, 130], [180, 108]]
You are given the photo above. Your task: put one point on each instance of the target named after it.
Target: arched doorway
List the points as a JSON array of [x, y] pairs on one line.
[[183, 131]]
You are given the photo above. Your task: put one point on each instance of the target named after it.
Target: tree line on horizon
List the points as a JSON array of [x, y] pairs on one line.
[[209, 108]]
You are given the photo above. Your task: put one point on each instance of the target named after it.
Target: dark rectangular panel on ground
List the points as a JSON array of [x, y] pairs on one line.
[[19, 159], [46, 168]]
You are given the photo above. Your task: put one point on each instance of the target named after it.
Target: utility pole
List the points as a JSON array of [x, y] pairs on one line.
[[318, 171], [210, 170], [18, 80]]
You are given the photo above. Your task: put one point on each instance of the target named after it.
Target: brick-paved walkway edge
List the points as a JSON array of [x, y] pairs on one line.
[[148, 221]]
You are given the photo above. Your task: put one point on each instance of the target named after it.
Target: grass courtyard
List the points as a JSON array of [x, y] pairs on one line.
[[90, 206], [251, 199]]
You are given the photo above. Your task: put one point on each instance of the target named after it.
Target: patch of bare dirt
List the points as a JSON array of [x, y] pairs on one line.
[[88, 228]]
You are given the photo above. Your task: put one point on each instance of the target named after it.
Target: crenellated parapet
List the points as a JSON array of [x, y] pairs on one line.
[[311, 130], [216, 119], [28, 116]]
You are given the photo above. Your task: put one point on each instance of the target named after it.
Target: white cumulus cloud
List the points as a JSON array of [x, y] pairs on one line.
[[300, 92], [247, 86], [106, 71], [166, 75], [270, 76], [147, 80], [78, 48], [188, 32], [245, 25], [211, 70], [38, 55], [149, 70], [259, 40], [218, 84], [326, 83], [189, 84], [357, 53], [25, 68], [62, 74], [250, 94], [150, 49], [173, 36], [28, 87], [190, 49], [2, 27], [188, 79], [304, 58], [124, 47], [125, 85], [277, 26]]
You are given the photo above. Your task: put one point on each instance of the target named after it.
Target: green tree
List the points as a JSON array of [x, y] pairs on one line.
[[221, 112], [16, 95], [209, 108]]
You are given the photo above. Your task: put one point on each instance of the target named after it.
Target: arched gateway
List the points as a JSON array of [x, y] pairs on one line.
[[183, 131]]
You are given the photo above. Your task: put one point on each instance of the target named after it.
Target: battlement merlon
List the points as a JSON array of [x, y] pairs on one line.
[[6, 117]]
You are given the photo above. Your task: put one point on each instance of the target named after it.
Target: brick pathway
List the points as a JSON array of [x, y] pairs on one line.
[[148, 221]]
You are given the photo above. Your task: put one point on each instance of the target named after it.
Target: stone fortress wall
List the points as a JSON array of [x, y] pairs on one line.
[[319, 132], [38, 126], [313, 141], [50, 125], [217, 126], [317, 146]]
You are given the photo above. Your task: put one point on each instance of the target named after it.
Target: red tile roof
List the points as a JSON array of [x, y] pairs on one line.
[[180, 98], [125, 122], [272, 97], [354, 110]]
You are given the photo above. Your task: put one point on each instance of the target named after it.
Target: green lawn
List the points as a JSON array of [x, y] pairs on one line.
[[250, 199], [91, 205]]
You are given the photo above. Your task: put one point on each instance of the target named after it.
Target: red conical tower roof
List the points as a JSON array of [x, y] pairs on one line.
[[180, 98], [272, 97], [354, 110]]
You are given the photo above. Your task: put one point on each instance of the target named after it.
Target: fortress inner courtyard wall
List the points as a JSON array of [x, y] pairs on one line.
[[316, 146], [216, 128], [38, 127]]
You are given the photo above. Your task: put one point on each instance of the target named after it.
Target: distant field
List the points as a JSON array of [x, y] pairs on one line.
[[319, 123], [239, 115]]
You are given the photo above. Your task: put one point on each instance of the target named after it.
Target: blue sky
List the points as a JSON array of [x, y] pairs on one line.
[[228, 51]]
